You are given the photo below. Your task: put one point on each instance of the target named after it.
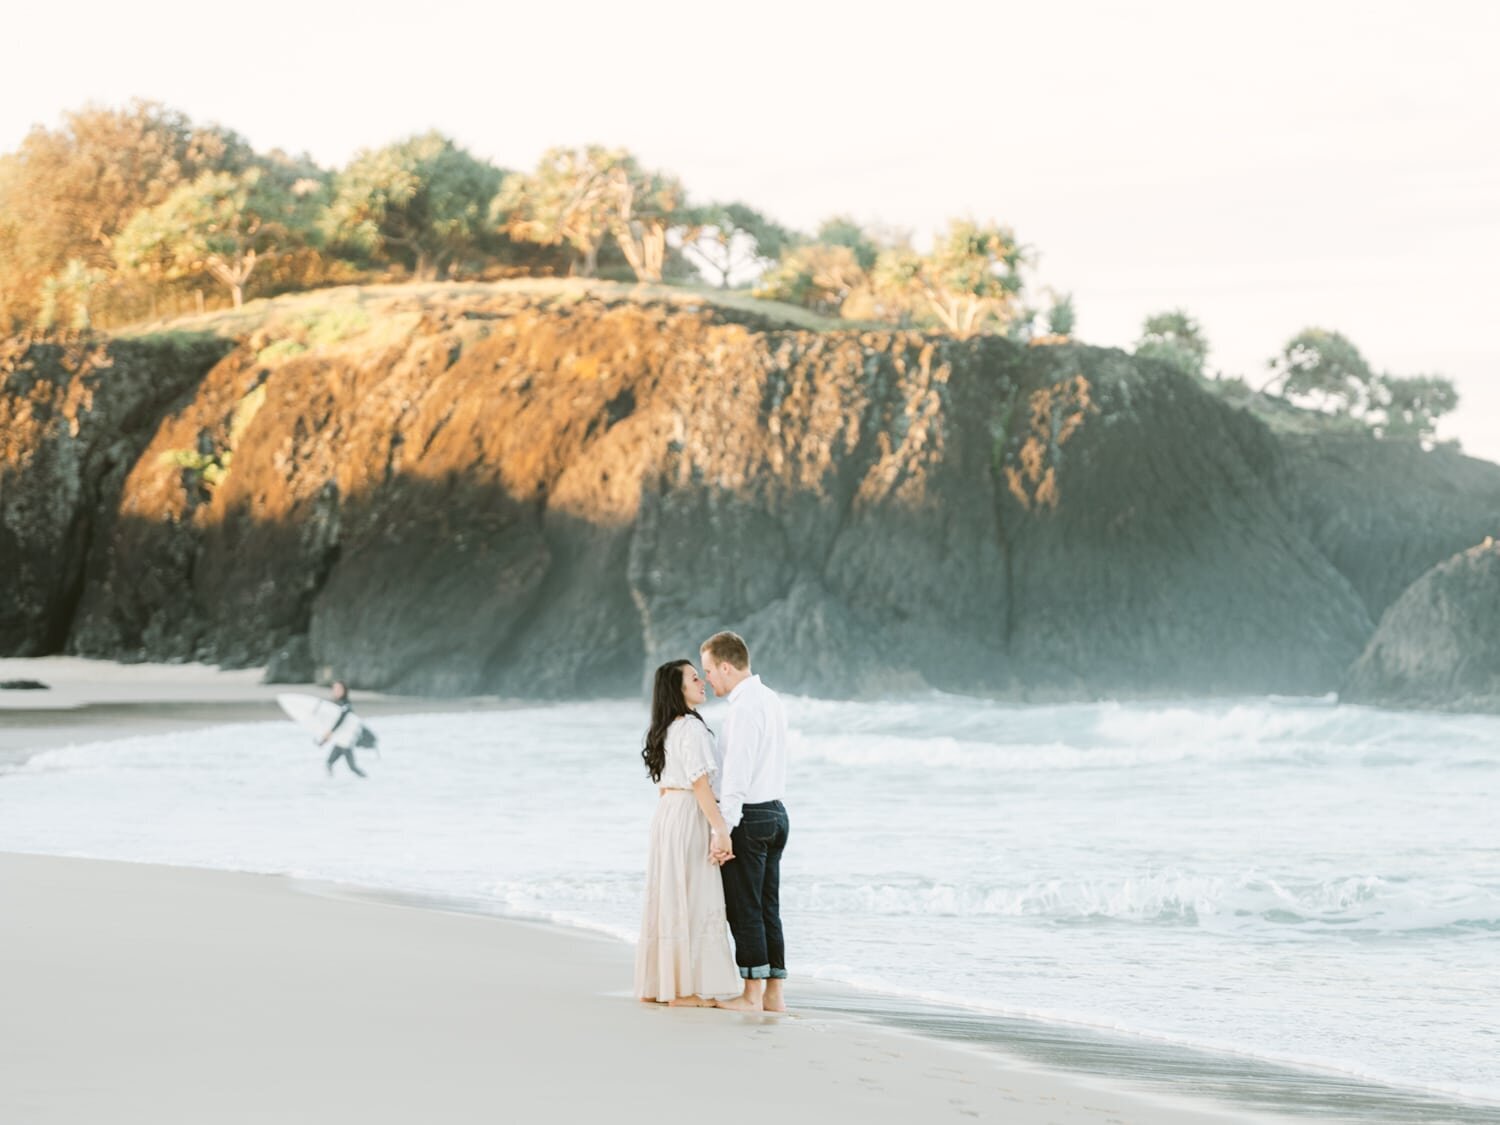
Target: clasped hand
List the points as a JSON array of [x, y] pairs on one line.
[[720, 850]]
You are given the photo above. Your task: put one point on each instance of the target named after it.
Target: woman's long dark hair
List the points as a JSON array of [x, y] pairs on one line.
[[667, 706]]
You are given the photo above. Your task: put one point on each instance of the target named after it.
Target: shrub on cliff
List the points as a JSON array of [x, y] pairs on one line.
[[815, 276], [968, 284], [1174, 338]]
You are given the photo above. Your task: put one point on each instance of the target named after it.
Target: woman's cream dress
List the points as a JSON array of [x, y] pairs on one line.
[[684, 946]]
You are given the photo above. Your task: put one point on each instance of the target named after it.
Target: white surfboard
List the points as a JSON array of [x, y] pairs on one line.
[[315, 715]]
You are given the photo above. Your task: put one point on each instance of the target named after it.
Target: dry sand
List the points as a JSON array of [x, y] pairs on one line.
[[137, 993], [134, 993]]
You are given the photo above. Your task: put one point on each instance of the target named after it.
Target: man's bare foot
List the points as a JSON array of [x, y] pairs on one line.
[[740, 1003], [775, 997], [690, 1002], [755, 991]]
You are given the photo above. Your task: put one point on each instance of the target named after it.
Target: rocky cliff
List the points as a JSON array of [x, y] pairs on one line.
[[543, 496], [1383, 513], [73, 421]]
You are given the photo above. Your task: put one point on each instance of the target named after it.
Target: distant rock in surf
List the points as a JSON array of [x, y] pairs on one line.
[[1439, 645]]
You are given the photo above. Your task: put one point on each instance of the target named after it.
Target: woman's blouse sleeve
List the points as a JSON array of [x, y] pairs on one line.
[[698, 750]]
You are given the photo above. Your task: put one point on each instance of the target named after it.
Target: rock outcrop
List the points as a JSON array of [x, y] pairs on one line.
[[496, 494], [73, 421], [1439, 645], [1384, 513]]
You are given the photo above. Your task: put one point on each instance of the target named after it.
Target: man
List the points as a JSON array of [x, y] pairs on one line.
[[752, 780], [346, 709]]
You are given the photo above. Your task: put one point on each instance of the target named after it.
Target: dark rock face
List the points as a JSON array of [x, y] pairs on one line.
[[1169, 559], [292, 663], [833, 501], [1384, 513], [493, 497], [73, 420], [1439, 644]]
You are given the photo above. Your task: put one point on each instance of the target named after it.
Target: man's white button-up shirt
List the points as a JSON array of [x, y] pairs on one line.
[[751, 749]]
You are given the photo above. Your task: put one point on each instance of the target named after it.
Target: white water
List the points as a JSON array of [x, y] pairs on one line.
[[1290, 880]]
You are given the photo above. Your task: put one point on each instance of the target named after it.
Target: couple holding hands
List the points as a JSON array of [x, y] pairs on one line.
[[716, 838]]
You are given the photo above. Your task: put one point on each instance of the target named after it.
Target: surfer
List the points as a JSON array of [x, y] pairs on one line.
[[341, 700]]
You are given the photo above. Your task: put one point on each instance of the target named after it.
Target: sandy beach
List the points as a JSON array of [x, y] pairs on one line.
[[154, 994], [143, 993]]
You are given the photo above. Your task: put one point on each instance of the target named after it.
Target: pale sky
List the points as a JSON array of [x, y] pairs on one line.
[[1267, 167]]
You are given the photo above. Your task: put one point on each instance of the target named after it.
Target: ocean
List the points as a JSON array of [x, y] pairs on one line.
[[1289, 884]]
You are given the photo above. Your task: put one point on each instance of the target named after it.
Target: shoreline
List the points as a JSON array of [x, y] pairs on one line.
[[1227, 1080], [85, 692], [889, 1058], [93, 700], [206, 983]]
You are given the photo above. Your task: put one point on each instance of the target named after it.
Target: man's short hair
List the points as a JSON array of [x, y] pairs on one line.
[[730, 647]]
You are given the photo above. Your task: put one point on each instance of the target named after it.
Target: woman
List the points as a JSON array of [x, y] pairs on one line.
[[683, 957]]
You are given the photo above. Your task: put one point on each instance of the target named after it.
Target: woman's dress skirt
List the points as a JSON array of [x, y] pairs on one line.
[[684, 944]]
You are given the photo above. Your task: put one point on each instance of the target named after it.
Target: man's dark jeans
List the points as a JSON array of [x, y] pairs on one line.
[[752, 890]]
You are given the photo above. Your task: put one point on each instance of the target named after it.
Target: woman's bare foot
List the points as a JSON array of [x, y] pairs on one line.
[[690, 1002]]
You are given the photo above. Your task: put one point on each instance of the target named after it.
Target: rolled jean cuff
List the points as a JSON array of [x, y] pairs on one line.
[[759, 972], [778, 974]]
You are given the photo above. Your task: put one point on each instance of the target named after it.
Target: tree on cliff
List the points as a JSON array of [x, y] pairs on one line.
[[841, 230], [1325, 370], [581, 197], [732, 238], [223, 224], [644, 206], [67, 193], [1174, 338], [969, 284], [11, 285], [567, 201], [423, 201], [1409, 407]]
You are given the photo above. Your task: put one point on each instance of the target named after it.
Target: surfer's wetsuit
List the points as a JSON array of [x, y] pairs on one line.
[[342, 751]]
